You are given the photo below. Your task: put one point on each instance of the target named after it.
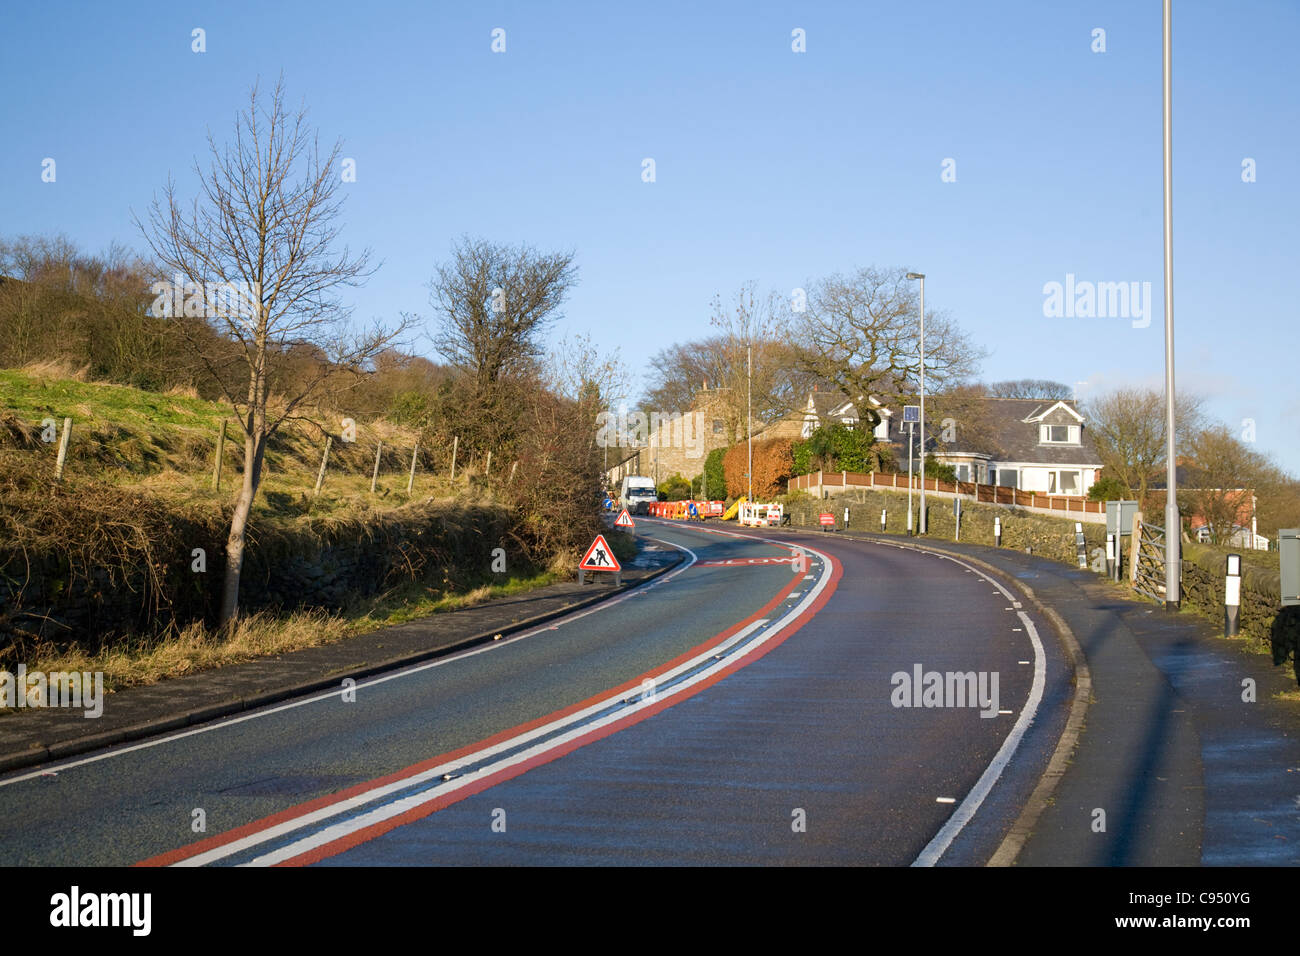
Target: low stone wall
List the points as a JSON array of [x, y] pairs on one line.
[[1263, 620], [1050, 537]]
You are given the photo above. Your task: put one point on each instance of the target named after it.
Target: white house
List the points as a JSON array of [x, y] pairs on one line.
[[828, 408], [1030, 444]]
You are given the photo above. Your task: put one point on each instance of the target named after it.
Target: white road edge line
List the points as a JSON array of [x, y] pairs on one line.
[[378, 793], [260, 712], [398, 807], [935, 849]]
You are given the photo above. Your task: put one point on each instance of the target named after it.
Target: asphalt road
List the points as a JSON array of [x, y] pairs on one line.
[[741, 709]]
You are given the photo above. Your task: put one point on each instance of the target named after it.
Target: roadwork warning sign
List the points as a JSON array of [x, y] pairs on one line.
[[624, 520], [599, 557]]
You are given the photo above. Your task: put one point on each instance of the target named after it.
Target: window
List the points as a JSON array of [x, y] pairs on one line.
[[1067, 481], [1007, 477], [963, 472], [1058, 434], [719, 426]]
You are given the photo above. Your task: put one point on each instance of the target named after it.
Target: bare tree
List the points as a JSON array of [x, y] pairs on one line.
[[1278, 499], [1224, 479], [495, 302], [749, 327], [1128, 431], [862, 333], [1035, 388], [577, 370], [265, 225]]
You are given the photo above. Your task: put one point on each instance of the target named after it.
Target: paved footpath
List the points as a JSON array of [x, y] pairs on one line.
[[1185, 771], [31, 737]]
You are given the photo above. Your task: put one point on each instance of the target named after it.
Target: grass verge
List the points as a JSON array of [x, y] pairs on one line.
[[197, 649]]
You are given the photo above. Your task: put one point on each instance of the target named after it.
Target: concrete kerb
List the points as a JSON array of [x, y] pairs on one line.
[[45, 753], [1022, 828]]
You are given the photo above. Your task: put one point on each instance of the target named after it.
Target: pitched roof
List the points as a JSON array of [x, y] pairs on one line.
[[1012, 427], [834, 405]]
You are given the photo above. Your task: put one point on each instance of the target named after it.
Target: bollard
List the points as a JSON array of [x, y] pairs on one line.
[[1232, 596], [997, 530], [882, 520], [1111, 552], [909, 522], [1080, 544], [846, 519], [956, 519]]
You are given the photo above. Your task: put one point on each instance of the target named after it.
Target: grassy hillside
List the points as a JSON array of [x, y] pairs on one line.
[[137, 496], [166, 443]]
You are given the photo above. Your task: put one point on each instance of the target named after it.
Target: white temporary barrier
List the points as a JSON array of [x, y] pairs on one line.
[[757, 515]]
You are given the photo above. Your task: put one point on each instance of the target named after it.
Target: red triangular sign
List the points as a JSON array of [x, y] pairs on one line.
[[624, 520], [599, 557]]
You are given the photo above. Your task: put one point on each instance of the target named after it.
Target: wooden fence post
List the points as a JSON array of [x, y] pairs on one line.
[[455, 443], [1134, 546], [324, 459], [375, 474], [410, 481], [63, 450], [512, 473], [488, 470], [221, 452]]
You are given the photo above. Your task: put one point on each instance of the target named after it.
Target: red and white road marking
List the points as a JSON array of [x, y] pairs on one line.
[[513, 752]]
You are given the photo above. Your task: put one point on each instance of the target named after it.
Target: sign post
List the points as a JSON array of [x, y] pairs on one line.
[[600, 557], [1288, 546], [1119, 521], [911, 415]]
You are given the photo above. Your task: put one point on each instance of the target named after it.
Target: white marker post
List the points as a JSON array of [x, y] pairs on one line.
[[1081, 544], [1232, 596], [882, 520], [997, 530]]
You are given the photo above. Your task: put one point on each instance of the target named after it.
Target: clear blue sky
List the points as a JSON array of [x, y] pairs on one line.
[[771, 165]]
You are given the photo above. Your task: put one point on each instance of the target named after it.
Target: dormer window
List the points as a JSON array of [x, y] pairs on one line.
[[1058, 434]]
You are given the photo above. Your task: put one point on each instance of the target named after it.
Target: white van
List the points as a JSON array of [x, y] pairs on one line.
[[637, 491]]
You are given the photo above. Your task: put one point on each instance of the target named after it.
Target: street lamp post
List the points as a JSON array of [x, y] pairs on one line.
[[909, 479], [749, 415], [1173, 524], [921, 276]]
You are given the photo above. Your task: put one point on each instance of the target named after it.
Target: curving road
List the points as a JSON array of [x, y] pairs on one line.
[[742, 709]]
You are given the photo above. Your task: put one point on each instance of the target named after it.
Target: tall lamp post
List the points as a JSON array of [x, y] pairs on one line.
[[921, 276], [1173, 524], [749, 416]]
